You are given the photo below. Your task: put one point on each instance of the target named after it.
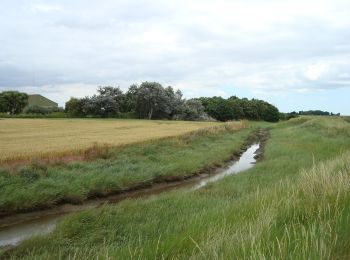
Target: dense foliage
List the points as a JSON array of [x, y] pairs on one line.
[[151, 100], [13, 102], [236, 108]]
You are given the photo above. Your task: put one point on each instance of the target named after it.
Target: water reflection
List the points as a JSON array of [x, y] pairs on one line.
[[245, 162]]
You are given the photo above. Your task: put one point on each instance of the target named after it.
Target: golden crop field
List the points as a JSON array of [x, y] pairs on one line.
[[29, 137]]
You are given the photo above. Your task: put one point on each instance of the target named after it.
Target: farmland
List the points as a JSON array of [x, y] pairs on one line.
[[39, 185], [28, 137], [294, 204]]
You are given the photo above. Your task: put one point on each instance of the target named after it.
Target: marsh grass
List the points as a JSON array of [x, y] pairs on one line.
[[293, 205], [292, 220]]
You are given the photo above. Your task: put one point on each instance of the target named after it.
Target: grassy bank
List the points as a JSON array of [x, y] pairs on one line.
[[38, 137], [292, 205], [40, 186]]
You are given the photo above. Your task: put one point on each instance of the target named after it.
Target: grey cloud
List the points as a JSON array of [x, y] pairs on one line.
[[121, 42]]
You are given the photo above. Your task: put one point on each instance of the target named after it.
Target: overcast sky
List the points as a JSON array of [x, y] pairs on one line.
[[294, 54]]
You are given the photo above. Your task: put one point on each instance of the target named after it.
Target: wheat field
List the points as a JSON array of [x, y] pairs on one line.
[[32, 137]]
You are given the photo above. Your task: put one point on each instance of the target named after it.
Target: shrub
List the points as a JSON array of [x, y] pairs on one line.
[[34, 109]]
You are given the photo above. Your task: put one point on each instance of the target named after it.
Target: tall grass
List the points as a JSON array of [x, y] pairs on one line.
[[292, 220], [346, 118], [293, 205]]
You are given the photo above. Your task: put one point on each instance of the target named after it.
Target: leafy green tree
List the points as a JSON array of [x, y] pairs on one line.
[[151, 101], [236, 108], [175, 102], [108, 102], [130, 99], [270, 113], [75, 107], [218, 108], [13, 102], [193, 110]]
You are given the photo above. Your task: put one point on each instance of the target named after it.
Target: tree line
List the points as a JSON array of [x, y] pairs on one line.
[[149, 100], [318, 113], [287, 116]]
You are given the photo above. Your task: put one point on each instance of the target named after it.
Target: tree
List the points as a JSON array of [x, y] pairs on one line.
[[315, 113], [175, 102], [270, 113], [151, 100], [218, 108], [130, 99], [108, 102], [13, 102], [236, 108], [75, 107], [193, 110]]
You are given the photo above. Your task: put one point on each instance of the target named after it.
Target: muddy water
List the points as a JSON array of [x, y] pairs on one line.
[[22, 226], [245, 162], [14, 234]]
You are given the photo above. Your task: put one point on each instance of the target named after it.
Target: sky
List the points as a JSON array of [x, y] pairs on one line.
[[294, 54]]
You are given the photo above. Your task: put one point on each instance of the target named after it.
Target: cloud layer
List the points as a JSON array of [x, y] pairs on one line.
[[259, 48]]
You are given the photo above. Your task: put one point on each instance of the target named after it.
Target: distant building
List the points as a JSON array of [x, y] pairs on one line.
[[39, 100]]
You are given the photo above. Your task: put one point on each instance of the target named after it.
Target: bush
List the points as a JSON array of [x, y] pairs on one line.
[[127, 115], [60, 114], [34, 109]]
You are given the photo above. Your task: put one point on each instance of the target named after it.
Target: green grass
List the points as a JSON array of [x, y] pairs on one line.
[[293, 205], [347, 118], [39, 185]]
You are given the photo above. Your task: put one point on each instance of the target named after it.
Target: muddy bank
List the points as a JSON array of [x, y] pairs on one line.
[[159, 183], [15, 219]]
